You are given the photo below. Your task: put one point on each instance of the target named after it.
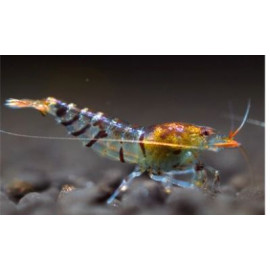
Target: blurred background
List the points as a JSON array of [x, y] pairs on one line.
[[142, 90]]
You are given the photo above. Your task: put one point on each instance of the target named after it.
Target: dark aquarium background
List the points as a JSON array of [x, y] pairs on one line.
[[62, 177]]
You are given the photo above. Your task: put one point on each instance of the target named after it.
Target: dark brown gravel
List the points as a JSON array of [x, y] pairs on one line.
[[23, 196]]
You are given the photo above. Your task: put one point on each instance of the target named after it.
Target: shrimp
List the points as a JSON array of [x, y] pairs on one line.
[[163, 151]]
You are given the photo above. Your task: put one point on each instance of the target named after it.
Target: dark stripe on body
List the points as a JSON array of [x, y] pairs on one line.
[[99, 123], [81, 131], [71, 121], [142, 144], [121, 155], [61, 110], [101, 134]]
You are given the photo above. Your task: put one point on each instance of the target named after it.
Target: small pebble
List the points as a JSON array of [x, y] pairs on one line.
[[239, 181], [84, 201], [7, 207], [186, 202], [143, 194], [64, 190], [24, 184], [36, 203]]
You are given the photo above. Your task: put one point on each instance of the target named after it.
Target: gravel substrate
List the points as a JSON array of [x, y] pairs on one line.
[[33, 194]]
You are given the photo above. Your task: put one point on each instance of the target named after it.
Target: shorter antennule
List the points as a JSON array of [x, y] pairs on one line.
[[232, 134]]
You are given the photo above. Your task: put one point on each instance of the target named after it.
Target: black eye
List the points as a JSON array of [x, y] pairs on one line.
[[205, 132]]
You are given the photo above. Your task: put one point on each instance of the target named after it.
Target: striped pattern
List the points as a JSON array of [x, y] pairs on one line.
[[71, 121], [142, 144], [93, 127], [101, 134], [60, 110], [156, 149], [81, 131], [121, 155]]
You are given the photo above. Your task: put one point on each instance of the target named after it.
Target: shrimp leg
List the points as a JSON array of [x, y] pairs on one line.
[[181, 183], [181, 172], [205, 182], [216, 181], [164, 179], [168, 180], [125, 184]]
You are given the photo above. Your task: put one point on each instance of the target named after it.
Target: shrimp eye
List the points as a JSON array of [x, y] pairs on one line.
[[205, 132]]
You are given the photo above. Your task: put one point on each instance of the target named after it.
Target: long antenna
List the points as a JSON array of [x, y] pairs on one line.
[[249, 120], [244, 153], [173, 145], [234, 133]]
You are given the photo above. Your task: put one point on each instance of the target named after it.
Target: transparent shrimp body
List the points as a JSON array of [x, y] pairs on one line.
[[163, 151]]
